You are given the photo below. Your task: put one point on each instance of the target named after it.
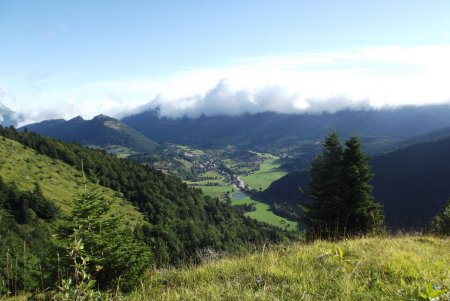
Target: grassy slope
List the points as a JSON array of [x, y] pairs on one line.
[[268, 172], [391, 268], [59, 182]]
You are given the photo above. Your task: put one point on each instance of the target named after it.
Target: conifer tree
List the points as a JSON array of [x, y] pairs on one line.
[[341, 201], [322, 214], [363, 214], [115, 256]]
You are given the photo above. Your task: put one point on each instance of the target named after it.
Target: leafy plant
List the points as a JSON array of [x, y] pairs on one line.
[[81, 285], [430, 293]]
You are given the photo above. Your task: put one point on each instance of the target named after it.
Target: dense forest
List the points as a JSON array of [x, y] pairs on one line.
[[24, 238]]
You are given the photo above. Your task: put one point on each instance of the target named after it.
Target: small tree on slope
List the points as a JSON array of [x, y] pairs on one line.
[[114, 257]]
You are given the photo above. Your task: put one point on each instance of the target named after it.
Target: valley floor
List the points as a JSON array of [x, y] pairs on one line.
[[383, 268]]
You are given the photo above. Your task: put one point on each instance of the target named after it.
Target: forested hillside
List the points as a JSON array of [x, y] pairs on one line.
[[180, 220], [58, 181], [413, 183]]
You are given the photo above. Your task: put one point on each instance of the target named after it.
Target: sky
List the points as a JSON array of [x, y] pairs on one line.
[[61, 59]]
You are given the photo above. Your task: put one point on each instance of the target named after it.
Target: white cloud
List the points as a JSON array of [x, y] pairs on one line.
[[312, 82]]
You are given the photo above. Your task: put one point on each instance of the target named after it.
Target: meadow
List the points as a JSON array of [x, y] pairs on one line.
[[371, 268], [264, 214], [269, 171]]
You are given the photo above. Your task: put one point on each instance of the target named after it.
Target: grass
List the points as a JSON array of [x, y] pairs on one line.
[[381, 268], [59, 182], [119, 151], [221, 188], [269, 171], [264, 214], [216, 191]]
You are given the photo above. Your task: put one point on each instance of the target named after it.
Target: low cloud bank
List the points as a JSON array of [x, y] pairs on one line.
[[360, 79], [223, 100]]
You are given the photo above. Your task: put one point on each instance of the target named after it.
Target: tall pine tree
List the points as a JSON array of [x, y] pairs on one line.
[[341, 201], [363, 214], [322, 214]]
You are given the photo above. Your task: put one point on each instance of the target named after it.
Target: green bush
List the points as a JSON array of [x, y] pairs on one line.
[[441, 223], [112, 254]]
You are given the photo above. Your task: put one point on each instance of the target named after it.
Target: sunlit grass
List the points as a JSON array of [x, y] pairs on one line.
[[264, 214], [386, 268], [269, 171]]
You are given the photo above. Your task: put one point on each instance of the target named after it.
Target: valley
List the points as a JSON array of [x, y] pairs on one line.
[[225, 174], [186, 202], [224, 150], [265, 155]]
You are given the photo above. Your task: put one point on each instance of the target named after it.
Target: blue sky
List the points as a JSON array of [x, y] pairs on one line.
[[65, 58]]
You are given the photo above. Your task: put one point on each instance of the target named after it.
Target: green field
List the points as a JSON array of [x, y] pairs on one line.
[[264, 214], [216, 191], [269, 171], [59, 181]]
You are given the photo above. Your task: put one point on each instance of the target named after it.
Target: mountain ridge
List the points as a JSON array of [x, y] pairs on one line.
[[102, 131], [270, 130]]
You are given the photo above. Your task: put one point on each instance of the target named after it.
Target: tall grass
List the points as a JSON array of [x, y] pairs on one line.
[[381, 268]]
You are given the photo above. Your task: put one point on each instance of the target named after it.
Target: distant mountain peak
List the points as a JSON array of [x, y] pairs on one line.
[[102, 130], [76, 119], [103, 117]]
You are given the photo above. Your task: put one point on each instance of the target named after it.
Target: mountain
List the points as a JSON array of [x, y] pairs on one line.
[[8, 117], [269, 131], [428, 137], [102, 131], [412, 183]]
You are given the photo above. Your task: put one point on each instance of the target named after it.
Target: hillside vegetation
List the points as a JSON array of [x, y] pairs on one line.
[[59, 181], [382, 268], [180, 220]]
